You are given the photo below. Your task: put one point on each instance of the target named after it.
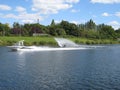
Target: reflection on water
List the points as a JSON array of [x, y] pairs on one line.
[[90, 69], [21, 60]]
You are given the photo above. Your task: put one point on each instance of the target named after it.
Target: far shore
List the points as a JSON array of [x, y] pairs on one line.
[[50, 41]]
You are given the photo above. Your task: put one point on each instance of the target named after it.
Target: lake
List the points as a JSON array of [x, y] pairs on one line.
[[88, 69]]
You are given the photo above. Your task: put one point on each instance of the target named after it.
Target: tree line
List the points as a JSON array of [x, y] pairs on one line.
[[64, 28]]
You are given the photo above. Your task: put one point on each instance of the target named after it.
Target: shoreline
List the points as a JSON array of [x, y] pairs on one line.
[[50, 41]]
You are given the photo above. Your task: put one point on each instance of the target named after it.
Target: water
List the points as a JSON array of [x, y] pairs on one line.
[[88, 69], [62, 42]]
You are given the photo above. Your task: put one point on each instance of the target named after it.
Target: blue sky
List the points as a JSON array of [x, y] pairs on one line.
[[76, 11]]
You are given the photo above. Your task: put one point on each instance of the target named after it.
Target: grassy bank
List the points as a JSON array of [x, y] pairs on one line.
[[94, 41], [49, 41], [6, 41]]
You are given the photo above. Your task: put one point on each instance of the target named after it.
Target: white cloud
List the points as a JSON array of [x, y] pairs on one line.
[[74, 10], [71, 1], [117, 14], [20, 9], [40, 9], [105, 1], [75, 22], [9, 16], [53, 6], [105, 14], [57, 21], [5, 7], [24, 17], [30, 16], [114, 24], [28, 21]]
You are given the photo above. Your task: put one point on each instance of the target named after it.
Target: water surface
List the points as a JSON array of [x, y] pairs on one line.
[[90, 69]]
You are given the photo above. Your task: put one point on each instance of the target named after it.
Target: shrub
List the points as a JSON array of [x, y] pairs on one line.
[[88, 42], [34, 43]]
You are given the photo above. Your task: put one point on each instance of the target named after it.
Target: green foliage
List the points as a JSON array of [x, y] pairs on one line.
[[118, 32], [107, 32], [90, 25], [60, 32], [63, 29], [53, 23], [70, 28], [4, 29]]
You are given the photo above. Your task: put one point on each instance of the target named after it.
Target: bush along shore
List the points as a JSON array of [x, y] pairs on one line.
[[50, 41], [94, 41]]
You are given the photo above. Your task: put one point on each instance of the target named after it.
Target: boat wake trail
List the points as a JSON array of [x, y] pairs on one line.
[[64, 44]]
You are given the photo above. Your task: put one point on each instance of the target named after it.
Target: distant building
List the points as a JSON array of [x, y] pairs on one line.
[[118, 39], [39, 34]]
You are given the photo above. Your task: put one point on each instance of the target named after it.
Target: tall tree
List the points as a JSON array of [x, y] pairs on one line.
[[90, 25], [52, 23], [118, 33], [4, 29], [16, 30], [107, 31]]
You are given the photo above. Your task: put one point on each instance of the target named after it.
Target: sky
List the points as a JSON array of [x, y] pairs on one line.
[[74, 11]]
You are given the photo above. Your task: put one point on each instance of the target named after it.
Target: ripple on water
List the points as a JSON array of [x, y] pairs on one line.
[[96, 69]]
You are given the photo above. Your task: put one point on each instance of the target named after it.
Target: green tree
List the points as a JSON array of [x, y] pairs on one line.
[[107, 32], [118, 33], [16, 30], [52, 23], [70, 28], [90, 25], [60, 32], [26, 30], [4, 29], [66, 26], [81, 26], [52, 31]]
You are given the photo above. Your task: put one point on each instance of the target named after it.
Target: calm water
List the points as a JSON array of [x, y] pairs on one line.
[[90, 69]]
